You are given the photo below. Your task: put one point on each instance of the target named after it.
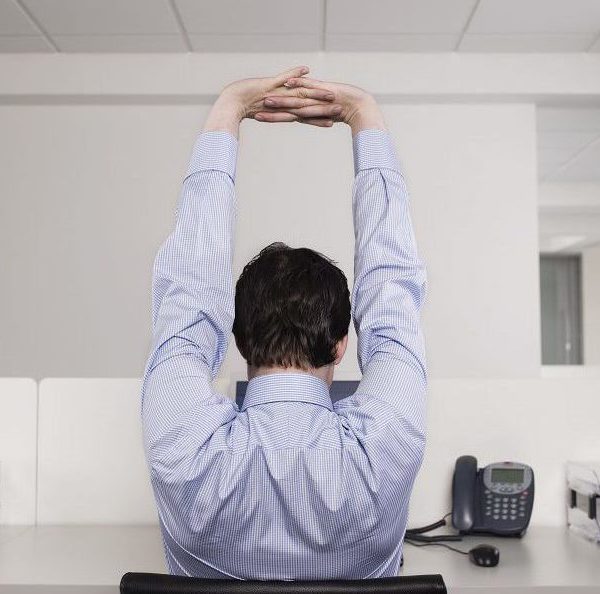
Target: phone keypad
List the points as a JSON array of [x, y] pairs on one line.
[[505, 507]]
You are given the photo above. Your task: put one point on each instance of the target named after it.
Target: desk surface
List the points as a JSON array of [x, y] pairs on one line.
[[49, 559]]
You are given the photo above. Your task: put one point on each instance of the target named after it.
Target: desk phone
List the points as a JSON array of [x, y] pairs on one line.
[[497, 499]]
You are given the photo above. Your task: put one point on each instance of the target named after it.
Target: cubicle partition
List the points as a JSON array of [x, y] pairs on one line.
[[18, 448], [71, 448], [91, 467], [75, 486]]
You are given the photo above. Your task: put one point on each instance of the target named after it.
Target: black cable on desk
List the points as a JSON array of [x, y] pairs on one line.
[[434, 544]]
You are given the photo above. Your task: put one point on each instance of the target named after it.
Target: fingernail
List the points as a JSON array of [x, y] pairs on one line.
[[269, 102]]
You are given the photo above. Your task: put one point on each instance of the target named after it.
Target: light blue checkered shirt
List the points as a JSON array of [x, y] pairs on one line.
[[289, 486]]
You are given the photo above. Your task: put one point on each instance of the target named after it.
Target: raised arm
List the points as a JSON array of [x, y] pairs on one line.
[[192, 286], [193, 303], [389, 278]]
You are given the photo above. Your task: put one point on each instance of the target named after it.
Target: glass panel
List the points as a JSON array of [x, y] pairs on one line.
[[560, 291]]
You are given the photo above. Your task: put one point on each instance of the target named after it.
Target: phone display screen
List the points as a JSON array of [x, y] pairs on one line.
[[507, 475]]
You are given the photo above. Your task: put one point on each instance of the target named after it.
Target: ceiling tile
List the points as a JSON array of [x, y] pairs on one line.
[[104, 17], [524, 43], [568, 120], [24, 43], [555, 156], [546, 169], [585, 168], [536, 16], [348, 42], [398, 16], [567, 140], [119, 43], [13, 21], [255, 43], [258, 16]]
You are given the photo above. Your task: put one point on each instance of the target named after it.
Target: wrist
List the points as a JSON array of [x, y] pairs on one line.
[[366, 115], [226, 113]]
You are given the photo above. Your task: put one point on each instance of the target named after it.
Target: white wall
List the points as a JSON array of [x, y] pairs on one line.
[[88, 194], [590, 273], [408, 76]]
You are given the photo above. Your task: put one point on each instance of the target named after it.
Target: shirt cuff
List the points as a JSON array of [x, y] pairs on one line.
[[374, 148], [214, 149]]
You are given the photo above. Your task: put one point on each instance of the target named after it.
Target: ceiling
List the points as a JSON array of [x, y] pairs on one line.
[[309, 25], [568, 144], [569, 174]]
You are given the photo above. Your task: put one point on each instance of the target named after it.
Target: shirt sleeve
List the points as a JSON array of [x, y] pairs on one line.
[[192, 310], [389, 290]]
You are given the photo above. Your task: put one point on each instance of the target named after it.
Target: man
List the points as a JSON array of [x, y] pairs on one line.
[[289, 486]]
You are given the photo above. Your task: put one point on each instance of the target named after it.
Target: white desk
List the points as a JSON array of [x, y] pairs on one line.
[[92, 559]]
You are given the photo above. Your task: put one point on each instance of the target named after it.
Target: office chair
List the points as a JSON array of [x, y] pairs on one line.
[[156, 583]]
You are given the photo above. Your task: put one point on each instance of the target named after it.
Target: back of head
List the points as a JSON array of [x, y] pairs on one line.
[[292, 306]]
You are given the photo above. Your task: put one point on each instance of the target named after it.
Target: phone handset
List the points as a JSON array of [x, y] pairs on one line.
[[463, 493]]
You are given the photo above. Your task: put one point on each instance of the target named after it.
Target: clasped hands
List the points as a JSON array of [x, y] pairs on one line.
[[290, 96]]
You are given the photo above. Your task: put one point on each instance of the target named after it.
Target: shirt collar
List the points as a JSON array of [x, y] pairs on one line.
[[287, 387]]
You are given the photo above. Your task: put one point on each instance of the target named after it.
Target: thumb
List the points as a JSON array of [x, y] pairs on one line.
[[291, 73]]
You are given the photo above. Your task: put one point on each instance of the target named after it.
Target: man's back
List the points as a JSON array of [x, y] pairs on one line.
[[289, 486], [288, 490]]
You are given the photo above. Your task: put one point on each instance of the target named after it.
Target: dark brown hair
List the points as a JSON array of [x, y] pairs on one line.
[[292, 306]]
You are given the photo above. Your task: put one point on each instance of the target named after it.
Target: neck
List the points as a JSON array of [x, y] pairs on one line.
[[325, 372]]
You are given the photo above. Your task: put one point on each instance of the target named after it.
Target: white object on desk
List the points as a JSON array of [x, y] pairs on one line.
[[583, 481]]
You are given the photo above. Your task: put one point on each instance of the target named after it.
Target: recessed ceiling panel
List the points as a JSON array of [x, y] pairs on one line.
[[13, 21], [550, 159], [248, 18], [398, 16], [536, 16], [568, 140], [568, 119], [576, 139], [104, 17], [585, 168]]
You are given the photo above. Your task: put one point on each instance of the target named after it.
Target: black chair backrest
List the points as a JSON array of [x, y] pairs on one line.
[[156, 583]]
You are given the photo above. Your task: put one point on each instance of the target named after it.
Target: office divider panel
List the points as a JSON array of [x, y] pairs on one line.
[[91, 460], [17, 450]]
